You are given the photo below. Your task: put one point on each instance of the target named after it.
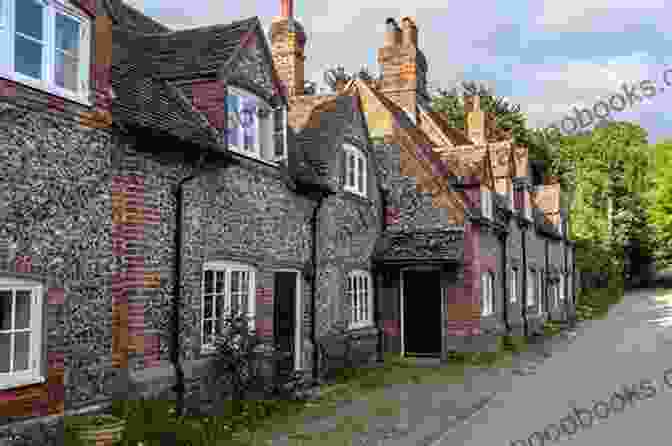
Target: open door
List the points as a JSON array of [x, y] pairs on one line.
[[285, 317], [422, 313]]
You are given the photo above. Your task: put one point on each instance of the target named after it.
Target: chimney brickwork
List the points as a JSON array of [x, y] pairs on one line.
[[402, 65], [288, 40]]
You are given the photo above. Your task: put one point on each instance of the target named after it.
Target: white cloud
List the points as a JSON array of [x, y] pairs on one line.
[[584, 15], [555, 90]]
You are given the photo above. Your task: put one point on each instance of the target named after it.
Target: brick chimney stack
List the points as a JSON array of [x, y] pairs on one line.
[[475, 121], [288, 40], [409, 32], [402, 65]]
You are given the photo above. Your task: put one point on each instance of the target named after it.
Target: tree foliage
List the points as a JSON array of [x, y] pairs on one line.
[[660, 211]]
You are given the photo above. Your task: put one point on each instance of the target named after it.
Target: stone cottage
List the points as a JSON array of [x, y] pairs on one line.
[[154, 180]]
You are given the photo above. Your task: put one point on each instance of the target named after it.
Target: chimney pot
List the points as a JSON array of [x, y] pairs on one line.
[[409, 32], [287, 8], [392, 33]]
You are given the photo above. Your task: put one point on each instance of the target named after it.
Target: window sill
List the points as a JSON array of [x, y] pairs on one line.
[[43, 87], [357, 197], [23, 382], [360, 325], [255, 158]]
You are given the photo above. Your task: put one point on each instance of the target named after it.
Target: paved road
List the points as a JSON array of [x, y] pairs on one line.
[[632, 345]]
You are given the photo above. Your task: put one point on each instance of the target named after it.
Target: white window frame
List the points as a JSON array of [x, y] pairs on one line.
[[513, 294], [527, 206], [47, 81], [361, 306], [34, 374], [358, 185], [531, 288], [264, 144], [487, 293], [487, 203], [540, 290], [563, 281], [226, 268]]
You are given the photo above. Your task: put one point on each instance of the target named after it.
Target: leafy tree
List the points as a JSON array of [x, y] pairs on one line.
[[660, 211]]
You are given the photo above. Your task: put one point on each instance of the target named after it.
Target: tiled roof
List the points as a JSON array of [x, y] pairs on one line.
[[472, 162], [455, 136], [155, 104], [182, 53], [146, 55], [436, 173], [547, 197]]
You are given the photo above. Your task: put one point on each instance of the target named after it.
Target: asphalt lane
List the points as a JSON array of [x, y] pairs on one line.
[[615, 369]]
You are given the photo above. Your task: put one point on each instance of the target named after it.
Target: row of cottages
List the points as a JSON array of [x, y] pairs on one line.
[[153, 180]]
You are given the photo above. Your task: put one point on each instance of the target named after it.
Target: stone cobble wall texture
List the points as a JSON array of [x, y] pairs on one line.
[[56, 214]]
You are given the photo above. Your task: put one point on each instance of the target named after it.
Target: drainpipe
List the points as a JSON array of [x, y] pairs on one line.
[[179, 387], [524, 240], [545, 288], [313, 329], [505, 293]]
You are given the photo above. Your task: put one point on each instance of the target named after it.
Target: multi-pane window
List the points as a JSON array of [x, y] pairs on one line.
[[228, 288], [46, 44], [513, 297], [254, 128], [487, 293], [486, 203], [20, 333], [540, 289], [355, 170], [531, 287], [359, 294]]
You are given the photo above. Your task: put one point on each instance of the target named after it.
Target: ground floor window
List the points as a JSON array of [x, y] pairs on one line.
[[514, 285], [359, 294], [228, 288], [531, 287], [487, 293], [20, 333]]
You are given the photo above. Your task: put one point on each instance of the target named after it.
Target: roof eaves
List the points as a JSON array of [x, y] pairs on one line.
[[189, 108]]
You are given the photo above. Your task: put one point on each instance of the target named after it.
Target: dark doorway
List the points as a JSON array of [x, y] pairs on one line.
[[422, 313], [284, 326]]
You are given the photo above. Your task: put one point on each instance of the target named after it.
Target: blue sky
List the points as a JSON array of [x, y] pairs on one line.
[[548, 55]]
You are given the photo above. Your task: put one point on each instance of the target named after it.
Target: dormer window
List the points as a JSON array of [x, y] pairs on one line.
[[45, 44], [254, 128], [486, 203], [355, 170]]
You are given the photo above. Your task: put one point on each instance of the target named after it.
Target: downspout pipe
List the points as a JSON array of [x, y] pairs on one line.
[[525, 273], [179, 387], [321, 195], [505, 293]]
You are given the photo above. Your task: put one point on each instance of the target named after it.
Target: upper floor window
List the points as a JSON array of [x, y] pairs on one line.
[[487, 293], [45, 44], [355, 170], [228, 288], [359, 293], [486, 203], [20, 333], [254, 128]]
